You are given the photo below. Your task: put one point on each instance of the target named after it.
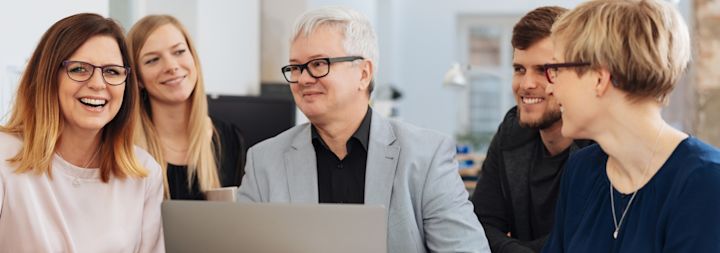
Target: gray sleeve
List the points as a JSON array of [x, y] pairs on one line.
[[448, 219], [249, 190]]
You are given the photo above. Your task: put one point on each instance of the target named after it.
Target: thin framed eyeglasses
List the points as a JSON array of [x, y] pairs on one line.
[[317, 68], [82, 71], [551, 69]]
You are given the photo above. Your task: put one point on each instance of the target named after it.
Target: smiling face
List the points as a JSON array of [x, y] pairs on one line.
[[167, 67], [577, 98], [536, 108], [90, 105], [342, 91]]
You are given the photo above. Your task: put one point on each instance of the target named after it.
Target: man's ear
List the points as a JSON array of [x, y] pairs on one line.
[[367, 74]]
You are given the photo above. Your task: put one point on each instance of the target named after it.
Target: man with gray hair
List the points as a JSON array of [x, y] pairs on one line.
[[348, 154]]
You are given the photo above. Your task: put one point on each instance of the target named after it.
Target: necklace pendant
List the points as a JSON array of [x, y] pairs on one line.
[[615, 234]]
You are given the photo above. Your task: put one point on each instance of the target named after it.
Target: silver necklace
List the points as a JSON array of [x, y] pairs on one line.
[[612, 199], [76, 181]]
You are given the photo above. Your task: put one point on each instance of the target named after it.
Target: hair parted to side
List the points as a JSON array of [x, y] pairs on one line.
[[36, 116], [360, 37], [201, 152], [644, 44], [535, 26]]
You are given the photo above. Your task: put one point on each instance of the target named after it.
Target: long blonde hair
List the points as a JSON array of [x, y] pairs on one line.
[[201, 151], [36, 115]]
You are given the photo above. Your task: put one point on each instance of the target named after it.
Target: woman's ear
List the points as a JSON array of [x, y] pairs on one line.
[[604, 81]]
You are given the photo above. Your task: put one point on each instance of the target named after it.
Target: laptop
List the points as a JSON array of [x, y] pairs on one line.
[[204, 226]]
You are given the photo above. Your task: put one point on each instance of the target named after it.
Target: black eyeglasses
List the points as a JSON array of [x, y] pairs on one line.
[[317, 68], [82, 71], [552, 69]]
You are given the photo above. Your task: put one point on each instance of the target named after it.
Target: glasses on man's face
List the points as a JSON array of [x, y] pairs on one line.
[[82, 71], [551, 70], [317, 68]]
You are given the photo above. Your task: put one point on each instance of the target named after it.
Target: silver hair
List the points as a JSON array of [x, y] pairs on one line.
[[360, 38]]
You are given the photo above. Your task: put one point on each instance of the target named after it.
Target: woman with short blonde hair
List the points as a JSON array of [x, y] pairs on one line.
[[70, 179], [197, 153], [645, 186]]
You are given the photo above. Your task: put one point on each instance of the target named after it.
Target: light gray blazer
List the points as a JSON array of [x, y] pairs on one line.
[[409, 170]]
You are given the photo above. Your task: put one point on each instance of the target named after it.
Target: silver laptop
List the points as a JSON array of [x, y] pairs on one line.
[[202, 226]]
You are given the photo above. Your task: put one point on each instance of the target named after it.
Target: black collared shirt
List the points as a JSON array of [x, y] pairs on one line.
[[343, 181]]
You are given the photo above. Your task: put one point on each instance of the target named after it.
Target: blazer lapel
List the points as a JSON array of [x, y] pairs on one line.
[[382, 159], [301, 168]]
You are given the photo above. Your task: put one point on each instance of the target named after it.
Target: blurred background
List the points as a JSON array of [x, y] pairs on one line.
[[444, 65]]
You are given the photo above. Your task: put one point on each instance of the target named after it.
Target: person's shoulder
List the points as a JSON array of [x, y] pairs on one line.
[[700, 162], [142, 155], [588, 154], [406, 132], [282, 140], [11, 144], [147, 161], [695, 176], [704, 153], [584, 158], [592, 150]]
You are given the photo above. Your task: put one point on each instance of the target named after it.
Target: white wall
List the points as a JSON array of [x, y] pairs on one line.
[[390, 20], [227, 37], [278, 18], [230, 34], [366, 7], [24, 22]]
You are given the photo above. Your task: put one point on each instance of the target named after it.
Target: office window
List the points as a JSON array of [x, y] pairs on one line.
[[485, 47], [484, 103]]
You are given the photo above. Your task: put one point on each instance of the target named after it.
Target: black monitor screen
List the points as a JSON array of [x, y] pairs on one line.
[[258, 118]]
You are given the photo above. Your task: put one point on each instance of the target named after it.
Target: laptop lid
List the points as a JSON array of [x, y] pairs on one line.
[[202, 226]]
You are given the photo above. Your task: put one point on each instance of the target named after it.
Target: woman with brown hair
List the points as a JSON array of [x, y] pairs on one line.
[[197, 153], [70, 179]]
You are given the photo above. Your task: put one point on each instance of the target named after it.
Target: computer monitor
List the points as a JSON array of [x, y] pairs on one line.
[[258, 118], [203, 226]]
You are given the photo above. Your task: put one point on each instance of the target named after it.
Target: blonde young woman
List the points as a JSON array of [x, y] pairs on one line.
[[196, 152], [645, 186], [70, 179]]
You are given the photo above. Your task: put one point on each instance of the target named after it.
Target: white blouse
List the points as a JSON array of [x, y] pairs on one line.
[[75, 211]]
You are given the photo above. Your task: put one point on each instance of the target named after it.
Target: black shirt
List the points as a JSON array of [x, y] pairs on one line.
[[230, 169], [517, 187], [544, 180], [343, 181]]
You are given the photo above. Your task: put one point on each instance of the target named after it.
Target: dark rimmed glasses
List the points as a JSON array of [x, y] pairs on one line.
[[317, 68], [551, 69], [82, 71]]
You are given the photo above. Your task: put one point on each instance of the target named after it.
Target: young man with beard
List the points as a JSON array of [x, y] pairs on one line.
[[520, 178]]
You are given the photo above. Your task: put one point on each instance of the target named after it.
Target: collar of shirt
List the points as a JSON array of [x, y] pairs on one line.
[[362, 134]]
